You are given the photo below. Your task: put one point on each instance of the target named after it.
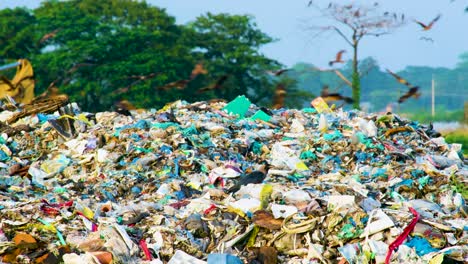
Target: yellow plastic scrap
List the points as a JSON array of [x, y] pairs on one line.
[[301, 166], [51, 227], [398, 130], [253, 237], [194, 185], [21, 87], [265, 195], [88, 213], [80, 117], [438, 259], [236, 211], [320, 105]]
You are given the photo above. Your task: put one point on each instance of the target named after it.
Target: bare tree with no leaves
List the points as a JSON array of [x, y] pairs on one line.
[[353, 22]]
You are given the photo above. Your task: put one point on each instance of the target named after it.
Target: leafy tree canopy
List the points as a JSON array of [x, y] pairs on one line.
[[16, 34], [99, 52]]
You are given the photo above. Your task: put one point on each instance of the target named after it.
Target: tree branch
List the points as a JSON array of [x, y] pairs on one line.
[[343, 35], [342, 77]]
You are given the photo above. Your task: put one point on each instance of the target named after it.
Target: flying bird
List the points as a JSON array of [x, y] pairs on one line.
[[48, 36], [179, 85], [427, 39], [338, 58], [279, 96], [310, 3], [78, 66], [412, 92], [215, 85], [197, 70], [278, 72], [334, 96], [428, 26], [399, 79], [138, 79]]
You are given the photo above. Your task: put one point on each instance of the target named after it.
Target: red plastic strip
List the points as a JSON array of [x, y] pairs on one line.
[[145, 249], [402, 237], [211, 208]]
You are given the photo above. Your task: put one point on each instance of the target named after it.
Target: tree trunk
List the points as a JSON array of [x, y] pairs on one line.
[[355, 78]]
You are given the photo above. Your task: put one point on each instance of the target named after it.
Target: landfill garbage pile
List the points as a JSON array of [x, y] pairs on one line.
[[231, 183]]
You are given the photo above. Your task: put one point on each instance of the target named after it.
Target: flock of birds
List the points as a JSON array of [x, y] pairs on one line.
[[179, 84], [280, 90], [412, 92]]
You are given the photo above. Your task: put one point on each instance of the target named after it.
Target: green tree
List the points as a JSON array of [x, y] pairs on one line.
[[463, 63], [101, 46], [17, 39], [99, 52]]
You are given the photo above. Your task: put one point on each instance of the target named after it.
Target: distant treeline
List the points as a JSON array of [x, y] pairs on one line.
[[380, 89]]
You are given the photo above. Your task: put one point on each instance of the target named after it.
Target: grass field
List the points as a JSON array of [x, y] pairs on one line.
[[441, 116]]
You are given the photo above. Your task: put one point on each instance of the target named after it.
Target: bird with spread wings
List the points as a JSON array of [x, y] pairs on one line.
[[428, 26], [412, 92], [338, 58]]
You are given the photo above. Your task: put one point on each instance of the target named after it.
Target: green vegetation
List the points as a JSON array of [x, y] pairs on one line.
[[459, 186], [99, 52], [440, 116], [458, 136]]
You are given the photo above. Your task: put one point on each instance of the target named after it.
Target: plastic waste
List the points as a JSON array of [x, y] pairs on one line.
[[323, 124], [283, 211], [320, 105], [367, 127], [154, 187], [181, 257], [218, 258], [260, 115], [239, 106]]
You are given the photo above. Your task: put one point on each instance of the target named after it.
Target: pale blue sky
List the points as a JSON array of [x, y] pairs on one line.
[[286, 21]]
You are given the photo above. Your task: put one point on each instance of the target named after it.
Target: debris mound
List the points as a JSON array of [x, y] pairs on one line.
[[217, 182]]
